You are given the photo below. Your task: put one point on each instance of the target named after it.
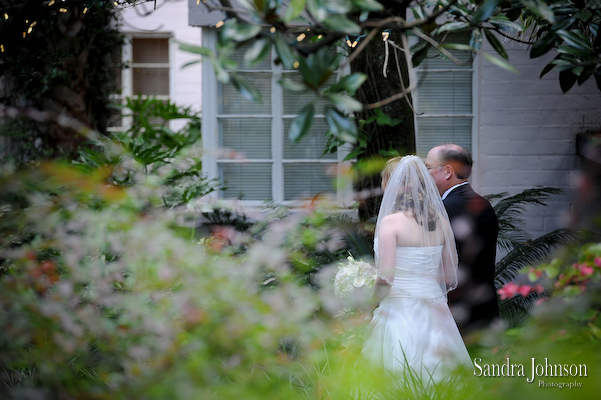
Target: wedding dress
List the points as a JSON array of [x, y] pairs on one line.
[[412, 331], [412, 334]]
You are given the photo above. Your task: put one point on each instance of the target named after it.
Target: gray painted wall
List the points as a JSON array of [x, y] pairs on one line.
[[527, 133]]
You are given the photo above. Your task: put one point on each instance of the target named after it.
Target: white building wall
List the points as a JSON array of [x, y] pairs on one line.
[[526, 133], [171, 17]]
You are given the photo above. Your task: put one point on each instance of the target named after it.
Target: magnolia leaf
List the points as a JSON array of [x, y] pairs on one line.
[[567, 79], [302, 123], [190, 48], [293, 86], [542, 45], [284, 53], [247, 90], [496, 44], [339, 23], [257, 51], [576, 39], [344, 102], [598, 77], [238, 31], [451, 26], [476, 39], [586, 73], [368, 5], [485, 10], [540, 8], [349, 83], [505, 25], [340, 126], [294, 9], [500, 62], [572, 51]]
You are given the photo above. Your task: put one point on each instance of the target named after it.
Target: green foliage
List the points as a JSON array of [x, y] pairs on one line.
[[171, 157]]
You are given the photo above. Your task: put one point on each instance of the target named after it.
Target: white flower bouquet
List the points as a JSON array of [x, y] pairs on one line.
[[353, 274]]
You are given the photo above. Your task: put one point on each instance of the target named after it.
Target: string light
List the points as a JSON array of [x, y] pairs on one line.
[[5, 16], [197, 2], [85, 10], [385, 36], [63, 10], [301, 37], [319, 37], [272, 29], [296, 64], [219, 24], [51, 3], [1, 48]]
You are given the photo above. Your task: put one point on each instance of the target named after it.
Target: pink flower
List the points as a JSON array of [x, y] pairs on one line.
[[508, 291], [585, 270], [538, 289], [598, 261], [524, 290]]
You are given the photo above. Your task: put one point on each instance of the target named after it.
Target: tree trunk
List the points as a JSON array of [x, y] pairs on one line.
[[373, 61]]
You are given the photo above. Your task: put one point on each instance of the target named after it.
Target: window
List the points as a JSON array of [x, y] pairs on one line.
[[443, 100], [147, 71], [246, 143]]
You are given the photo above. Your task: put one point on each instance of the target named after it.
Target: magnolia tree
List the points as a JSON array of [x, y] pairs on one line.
[[304, 32]]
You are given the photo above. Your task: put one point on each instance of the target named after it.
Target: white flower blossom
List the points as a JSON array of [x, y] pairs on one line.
[[353, 274]]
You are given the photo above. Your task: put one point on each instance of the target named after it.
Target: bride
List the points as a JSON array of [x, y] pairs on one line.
[[412, 332]]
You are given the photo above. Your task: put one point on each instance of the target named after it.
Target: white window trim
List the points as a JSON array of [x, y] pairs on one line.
[[476, 61], [127, 72], [211, 151]]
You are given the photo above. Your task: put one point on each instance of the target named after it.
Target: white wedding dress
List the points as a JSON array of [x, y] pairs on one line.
[[412, 330]]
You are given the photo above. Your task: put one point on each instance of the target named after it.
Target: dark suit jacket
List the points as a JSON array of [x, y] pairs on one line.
[[476, 227]]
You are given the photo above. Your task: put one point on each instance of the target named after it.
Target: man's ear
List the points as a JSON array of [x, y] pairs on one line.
[[448, 171]]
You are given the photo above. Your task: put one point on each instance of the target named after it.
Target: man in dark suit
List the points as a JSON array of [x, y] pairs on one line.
[[476, 227]]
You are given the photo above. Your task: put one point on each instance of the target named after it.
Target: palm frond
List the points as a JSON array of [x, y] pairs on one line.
[[516, 203], [531, 252], [516, 310]]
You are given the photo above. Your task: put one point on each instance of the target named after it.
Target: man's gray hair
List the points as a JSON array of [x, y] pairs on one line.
[[460, 155]]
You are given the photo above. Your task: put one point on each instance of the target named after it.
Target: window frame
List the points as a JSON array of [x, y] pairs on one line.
[[210, 139], [474, 109], [127, 73]]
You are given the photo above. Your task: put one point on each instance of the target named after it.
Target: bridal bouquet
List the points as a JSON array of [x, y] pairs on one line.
[[353, 274]]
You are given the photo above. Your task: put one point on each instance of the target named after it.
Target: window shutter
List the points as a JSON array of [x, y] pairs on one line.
[[444, 100]]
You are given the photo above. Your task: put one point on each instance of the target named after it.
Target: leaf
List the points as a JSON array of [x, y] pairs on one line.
[[539, 7], [567, 79], [576, 39], [368, 5], [598, 77], [257, 51], [349, 83], [543, 45], [295, 8], [485, 10], [506, 25], [586, 73], [548, 68], [500, 62], [340, 126], [451, 26], [293, 86], [247, 90], [339, 23], [190, 48], [238, 31], [302, 123], [284, 53], [420, 55], [476, 39], [496, 44], [344, 102], [572, 51]]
